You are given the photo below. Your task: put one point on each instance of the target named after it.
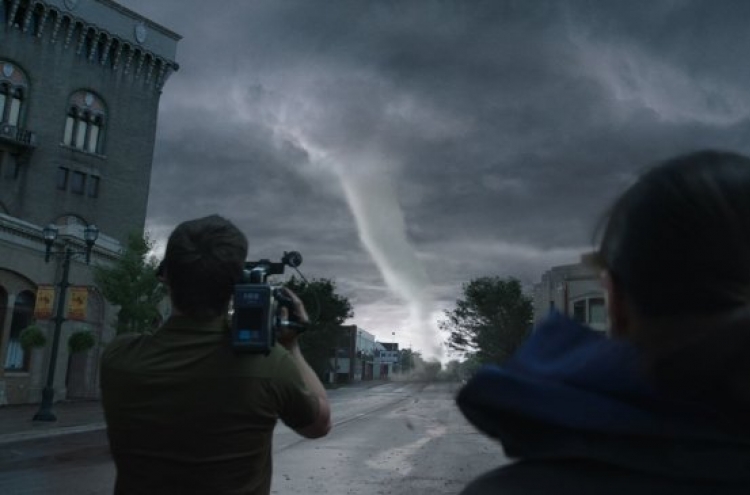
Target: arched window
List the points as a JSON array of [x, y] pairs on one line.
[[84, 123], [13, 88], [23, 312]]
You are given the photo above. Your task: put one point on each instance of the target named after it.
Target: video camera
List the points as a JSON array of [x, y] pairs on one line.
[[257, 306]]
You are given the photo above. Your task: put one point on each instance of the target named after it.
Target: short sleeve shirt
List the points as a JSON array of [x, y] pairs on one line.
[[186, 414]]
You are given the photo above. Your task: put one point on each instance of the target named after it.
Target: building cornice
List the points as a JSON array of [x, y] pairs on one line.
[[106, 34], [135, 15], [31, 236]]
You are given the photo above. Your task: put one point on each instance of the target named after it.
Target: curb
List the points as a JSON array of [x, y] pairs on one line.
[[70, 455], [25, 436], [29, 450]]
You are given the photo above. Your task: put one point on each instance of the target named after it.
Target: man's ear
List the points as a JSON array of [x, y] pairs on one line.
[[617, 307]]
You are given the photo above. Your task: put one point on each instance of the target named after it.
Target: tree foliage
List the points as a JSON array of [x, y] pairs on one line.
[[328, 310], [452, 370], [492, 319], [131, 283], [469, 365]]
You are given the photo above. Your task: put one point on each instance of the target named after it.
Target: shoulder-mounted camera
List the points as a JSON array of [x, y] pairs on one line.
[[256, 316]]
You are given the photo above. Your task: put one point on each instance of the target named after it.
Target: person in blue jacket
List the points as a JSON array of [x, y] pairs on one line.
[[662, 403]]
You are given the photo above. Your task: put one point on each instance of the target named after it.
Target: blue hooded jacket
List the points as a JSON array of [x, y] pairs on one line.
[[575, 403]]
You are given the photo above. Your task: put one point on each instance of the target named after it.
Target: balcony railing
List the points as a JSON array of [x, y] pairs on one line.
[[18, 136]]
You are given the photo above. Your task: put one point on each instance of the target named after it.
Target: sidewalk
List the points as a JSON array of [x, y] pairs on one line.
[[16, 422], [17, 425], [77, 435]]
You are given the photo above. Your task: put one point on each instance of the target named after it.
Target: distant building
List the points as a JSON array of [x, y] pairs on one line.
[[574, 290], [80, 83], [360, 356], [387, 360]]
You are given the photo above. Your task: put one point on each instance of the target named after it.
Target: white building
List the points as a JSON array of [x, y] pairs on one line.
[[574, 290]]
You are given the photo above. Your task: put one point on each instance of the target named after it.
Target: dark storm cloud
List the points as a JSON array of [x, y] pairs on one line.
[[406, 147]]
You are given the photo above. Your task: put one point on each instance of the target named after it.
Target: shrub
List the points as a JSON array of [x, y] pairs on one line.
[[81, 341], [31, 337]]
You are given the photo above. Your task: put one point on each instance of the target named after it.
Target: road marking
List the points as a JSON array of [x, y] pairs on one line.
[[397, 459]]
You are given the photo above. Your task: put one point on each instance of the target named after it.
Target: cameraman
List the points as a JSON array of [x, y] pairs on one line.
[[185, 413]]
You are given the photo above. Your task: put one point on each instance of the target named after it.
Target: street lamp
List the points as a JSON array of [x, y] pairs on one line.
[[394, 347], [90, 234]]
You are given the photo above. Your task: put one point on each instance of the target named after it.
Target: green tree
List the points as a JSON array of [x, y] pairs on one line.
[[492, 318], [452, 371], [469, 366], [131, 283], [328, 310]]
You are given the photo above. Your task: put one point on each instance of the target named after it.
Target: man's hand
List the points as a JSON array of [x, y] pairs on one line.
[[288, 336]]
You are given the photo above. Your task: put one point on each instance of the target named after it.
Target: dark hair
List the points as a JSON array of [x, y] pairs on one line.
[[678, 241], [203, 261], [677, 245]]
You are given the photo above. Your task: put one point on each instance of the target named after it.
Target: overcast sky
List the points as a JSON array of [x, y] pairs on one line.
[[407, 147]]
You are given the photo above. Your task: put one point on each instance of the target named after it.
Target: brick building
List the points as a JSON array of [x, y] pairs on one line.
[[80, 83]]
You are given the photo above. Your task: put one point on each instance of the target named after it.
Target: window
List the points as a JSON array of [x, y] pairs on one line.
[[14, 112], [579, 311], [81, 134], [13, 87], [93, 138], [597, 310], [62, 178], [69, 124], [15, 357], [85, 122], [93, 183], [78, 182]]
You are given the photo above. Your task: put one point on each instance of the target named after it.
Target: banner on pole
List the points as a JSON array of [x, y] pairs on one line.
[[45, 301], [77, 303]]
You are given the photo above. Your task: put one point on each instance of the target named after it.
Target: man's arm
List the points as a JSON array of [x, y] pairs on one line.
[[322, 423]]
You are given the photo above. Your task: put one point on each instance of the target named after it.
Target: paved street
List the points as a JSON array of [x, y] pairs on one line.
[[390, 439]]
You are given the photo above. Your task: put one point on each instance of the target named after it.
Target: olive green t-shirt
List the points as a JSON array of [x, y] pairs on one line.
[[187, 415]]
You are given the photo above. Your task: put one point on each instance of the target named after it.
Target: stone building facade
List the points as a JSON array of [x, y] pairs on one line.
[[80, 83]]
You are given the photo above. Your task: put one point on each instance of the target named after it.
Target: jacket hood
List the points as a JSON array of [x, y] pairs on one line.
[[572, 392]]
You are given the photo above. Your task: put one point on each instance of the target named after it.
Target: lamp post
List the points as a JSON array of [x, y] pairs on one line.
[[90, 234], [394, 347]]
